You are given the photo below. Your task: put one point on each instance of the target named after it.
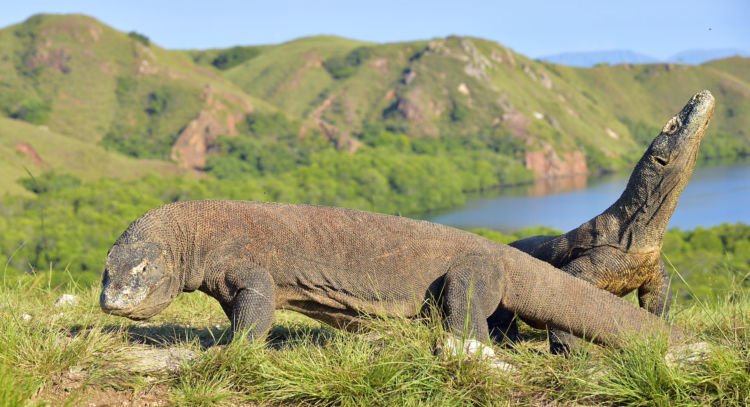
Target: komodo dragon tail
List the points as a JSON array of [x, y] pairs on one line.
[[544, 296]]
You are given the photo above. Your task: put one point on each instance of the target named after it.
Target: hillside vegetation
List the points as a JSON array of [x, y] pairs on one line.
[[103, 125], [463, 98], [29, 149]]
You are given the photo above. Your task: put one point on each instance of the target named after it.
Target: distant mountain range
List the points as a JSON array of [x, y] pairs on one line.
[[620, 56]]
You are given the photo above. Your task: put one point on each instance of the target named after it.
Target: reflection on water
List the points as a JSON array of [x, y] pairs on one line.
[[715, 194], [544, 187]]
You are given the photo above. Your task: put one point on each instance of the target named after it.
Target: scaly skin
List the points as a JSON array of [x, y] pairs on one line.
[[336, 265], [619, 250]]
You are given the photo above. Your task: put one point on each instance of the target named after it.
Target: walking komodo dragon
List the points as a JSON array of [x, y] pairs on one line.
[[336, 265], [619, 250]]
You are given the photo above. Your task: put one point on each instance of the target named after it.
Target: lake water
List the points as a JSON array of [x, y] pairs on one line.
[[715, 195]]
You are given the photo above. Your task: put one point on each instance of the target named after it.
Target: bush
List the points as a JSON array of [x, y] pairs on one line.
[[157, 102], [50, 182], [459, 112], [342, 67], [140, 38], [234, 56], [34, 111]]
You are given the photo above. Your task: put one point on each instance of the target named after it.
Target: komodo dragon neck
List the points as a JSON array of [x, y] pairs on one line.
[[637, 221]]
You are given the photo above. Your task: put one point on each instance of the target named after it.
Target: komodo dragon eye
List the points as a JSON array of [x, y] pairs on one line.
[[672, 126]]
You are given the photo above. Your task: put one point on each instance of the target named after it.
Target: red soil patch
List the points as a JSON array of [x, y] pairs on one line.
[[29, 151]]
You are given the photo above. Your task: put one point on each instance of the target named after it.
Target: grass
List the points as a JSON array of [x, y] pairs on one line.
[[59, 153], [75, 354]]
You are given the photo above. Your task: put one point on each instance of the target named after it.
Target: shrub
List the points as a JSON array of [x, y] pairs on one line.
[[234, 56], [33, 110], [140, 38], [342, 67]]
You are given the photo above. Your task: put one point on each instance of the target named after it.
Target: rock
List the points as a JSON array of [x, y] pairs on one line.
[[548, 164], [545, 80], [478, 63], [65, 300], [192, 145], [611, 133], [463, 89], [689, 354], [26, 317], [456, 346], [158, 360], [409, 76], [497, 364]]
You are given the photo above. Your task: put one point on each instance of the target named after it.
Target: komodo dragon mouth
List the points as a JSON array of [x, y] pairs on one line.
[[154, 302]]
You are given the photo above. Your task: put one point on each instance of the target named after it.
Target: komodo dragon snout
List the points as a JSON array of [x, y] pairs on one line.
[[138, 281], [679, 140]]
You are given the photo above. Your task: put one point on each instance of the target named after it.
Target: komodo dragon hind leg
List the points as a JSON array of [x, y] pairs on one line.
[[561, 342], [469, 297], [503, 327], [252, 307]]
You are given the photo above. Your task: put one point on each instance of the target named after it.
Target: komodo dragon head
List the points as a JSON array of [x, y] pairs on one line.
[[662, 173], [138, 280]]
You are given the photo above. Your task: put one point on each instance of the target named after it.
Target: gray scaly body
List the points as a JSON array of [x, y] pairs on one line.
[[336, 265]]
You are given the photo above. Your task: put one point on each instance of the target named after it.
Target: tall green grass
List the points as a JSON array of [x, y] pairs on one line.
[[75, 354]]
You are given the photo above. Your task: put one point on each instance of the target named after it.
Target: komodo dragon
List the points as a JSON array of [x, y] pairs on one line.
[[336, 265], [619, 250]]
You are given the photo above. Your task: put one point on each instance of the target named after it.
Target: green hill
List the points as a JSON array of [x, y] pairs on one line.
[[90, 82], [26, 148], [281, 103], [466, 87]]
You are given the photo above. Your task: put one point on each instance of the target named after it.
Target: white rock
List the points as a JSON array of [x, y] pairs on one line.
[[458, 346], [158, 360], [688, 354], [612, 133], [26, 317], [501, 366], [473, 347], [65, 300]]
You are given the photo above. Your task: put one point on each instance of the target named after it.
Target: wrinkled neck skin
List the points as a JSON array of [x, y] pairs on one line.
[[178, 239], [637, 221], [187, 254]]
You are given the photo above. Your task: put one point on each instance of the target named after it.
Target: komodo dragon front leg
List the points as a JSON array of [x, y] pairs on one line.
[[619, 250]]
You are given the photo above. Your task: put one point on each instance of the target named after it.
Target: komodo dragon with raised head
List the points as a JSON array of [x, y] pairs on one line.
[[336, 265], [619, 250]]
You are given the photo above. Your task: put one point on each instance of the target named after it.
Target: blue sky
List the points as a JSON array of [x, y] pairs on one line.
[[532, 27]]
